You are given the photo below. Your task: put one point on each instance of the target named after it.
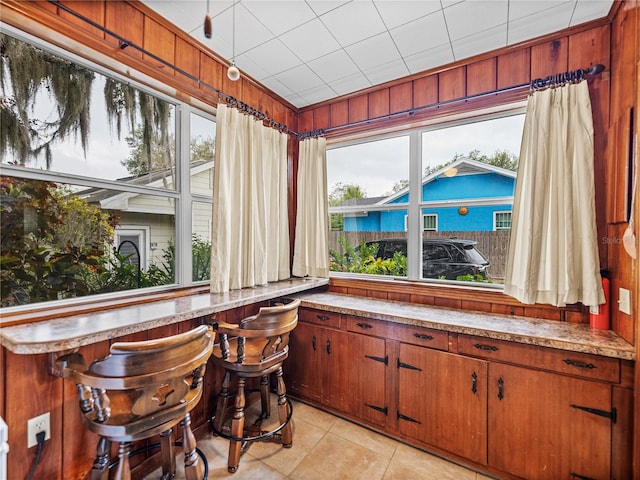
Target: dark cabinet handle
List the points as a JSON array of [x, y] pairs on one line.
[[366, 326], [313, 343], [328, 346], [422, 336], [488, 348], [500, 388], [573, 363], [324, 318], [474, 382]]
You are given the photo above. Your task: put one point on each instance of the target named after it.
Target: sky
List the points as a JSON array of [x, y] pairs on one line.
[[377, 166]]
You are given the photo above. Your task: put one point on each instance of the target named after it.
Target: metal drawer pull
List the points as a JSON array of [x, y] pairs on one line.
[[488, 348], [573, 363], [500, 389], [422, 336], [313, 343], [474, 382], [366, 326], [324, 318]]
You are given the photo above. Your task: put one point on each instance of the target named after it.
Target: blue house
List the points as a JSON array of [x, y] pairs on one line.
[[454, 198]]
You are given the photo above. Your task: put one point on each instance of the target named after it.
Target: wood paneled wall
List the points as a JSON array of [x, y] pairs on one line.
[[434, 94]]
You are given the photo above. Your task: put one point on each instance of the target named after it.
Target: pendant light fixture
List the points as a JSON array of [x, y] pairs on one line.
[[233, 73], [207, 23]]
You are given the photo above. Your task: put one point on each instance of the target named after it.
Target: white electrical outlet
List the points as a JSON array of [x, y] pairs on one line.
[[35, 425], [624, 301]]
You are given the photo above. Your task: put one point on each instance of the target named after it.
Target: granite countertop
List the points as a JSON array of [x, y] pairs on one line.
[[532, 331], [74, 331]]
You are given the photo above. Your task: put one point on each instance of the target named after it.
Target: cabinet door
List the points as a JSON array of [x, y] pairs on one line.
[[443, 400], [367, 371], [302, 374], [548, 426], [335, 369]]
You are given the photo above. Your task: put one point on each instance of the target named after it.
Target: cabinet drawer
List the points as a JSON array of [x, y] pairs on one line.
[[585, 365], [424, 337], [376, 328], [319, 317]]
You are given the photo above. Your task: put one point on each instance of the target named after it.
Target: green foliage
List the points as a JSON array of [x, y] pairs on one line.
[[363, 260], [472, 278], [33, 268], [201, 255], [340, 193]]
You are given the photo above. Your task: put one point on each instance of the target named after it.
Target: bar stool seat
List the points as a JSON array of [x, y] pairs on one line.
[[143, 389], [254, 348]]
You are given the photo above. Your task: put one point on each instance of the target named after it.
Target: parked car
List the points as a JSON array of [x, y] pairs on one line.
[[444, 258]]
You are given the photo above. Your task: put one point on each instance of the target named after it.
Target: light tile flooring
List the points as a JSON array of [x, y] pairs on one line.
[[328, 447]]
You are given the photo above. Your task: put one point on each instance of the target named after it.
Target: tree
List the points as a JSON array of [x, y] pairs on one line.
[[340, 193], [398, 186], [27, 73], [500, 158]]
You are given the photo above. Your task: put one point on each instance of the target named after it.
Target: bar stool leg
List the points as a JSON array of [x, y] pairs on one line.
[[123, 472], [223, 402], [237, 428], [167, 452], [193, 468], [283, 410], [264, 396], [100, 469]]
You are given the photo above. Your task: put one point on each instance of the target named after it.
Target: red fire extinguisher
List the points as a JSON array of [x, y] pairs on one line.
[[600, 315]]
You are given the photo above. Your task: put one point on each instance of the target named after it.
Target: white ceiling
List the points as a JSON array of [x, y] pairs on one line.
[[308, 51]]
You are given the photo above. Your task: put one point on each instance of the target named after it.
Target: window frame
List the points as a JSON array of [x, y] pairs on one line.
[[416, 205], [180, 195], [495, 220]]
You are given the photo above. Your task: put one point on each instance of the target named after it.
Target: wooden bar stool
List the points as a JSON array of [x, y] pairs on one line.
[[255, 348], [143, 389]]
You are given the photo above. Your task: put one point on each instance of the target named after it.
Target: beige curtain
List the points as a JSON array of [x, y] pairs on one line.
[[311, 248], [553, 252], [250, 218]]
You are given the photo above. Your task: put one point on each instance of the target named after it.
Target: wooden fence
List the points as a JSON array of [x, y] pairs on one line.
[[493, 245]]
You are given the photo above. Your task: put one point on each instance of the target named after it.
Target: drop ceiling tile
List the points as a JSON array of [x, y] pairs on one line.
[[428, 59], [276, 86], [538, 24], [323, 6], [270, 14], [250, 67], [485, 41], [387, 72], [467, 18], [353, 22], [421, 34], [523, 8], [317, 94], [333, 66], [373, 51], [398, 12], [310, 40], [274, 57], [249, 32], [589, 10], [350, 84], [299, 78]]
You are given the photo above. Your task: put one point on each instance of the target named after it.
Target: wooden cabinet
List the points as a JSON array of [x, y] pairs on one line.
[[442, 400], [548, 426], [521, 411], [317, 366]]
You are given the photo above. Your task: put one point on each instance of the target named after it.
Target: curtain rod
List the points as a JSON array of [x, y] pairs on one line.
[[536, 84], [124, 43]]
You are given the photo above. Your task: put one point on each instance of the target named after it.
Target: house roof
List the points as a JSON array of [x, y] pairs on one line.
[[461, 166]]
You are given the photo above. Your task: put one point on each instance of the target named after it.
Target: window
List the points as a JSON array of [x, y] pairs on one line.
[[430, 222], [502, 220], [434, 193], [106, 198]]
